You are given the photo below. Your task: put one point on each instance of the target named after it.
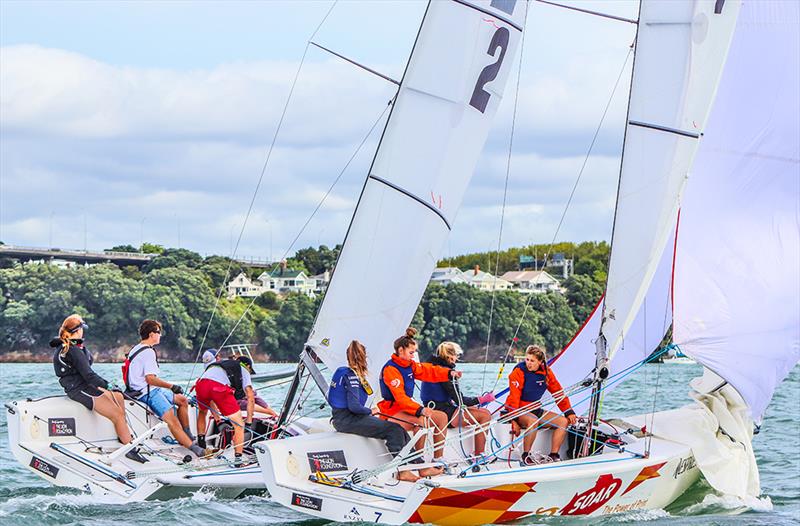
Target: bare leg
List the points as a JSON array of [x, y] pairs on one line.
[[108, 406], [412, 423], [183, 409], [559, 425], [479, 416], [527, 424], [176, 429], [238, 431]]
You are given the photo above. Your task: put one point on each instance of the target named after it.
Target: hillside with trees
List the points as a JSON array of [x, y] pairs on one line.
[[180, 288]]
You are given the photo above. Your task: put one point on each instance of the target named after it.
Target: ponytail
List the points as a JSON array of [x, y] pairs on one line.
[[69, 326], [357, 358]]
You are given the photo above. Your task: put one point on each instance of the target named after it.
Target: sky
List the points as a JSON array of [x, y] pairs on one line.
[[130, 122]]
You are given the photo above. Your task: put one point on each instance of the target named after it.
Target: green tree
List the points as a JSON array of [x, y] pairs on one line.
[[122, 248], [151, 248], [174, 257], [582, 295], [318, 260], [292, 326]]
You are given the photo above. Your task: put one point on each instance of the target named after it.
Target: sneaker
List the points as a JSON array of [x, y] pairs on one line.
[[554, 457], [539, 458], [136, 455], [527, 460]]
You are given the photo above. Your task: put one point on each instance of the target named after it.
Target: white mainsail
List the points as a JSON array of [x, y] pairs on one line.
[[737, 283], [449, 94], [680, 51]]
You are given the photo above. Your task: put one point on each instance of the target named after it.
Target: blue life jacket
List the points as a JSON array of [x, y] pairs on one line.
[[337, 393], [535, 384], [434, 392], [408, 381]]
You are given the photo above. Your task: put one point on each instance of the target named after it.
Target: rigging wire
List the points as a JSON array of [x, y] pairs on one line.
[[505, 197], [255, 191], [566, 209], [316, 209]]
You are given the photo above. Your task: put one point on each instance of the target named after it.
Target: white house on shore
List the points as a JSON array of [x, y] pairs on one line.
[[284, 281], [241, 285], [532, 281], [279, 281], [484, 281], [448, 275]]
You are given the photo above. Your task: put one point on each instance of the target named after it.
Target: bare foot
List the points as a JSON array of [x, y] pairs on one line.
[[407, 476], [432, 471]]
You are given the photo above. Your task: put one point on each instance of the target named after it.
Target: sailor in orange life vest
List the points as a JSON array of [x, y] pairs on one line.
[[527, 383], [397, 389]]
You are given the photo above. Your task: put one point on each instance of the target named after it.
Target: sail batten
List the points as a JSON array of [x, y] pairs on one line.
[[681, 48], [441, 117]]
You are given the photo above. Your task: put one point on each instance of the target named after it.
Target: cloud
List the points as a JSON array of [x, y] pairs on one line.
[[146, 153]]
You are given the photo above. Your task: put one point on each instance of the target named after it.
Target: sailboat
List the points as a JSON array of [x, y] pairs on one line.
[[742, 193]]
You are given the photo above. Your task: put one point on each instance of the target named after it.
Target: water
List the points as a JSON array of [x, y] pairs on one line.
[[27, 500]]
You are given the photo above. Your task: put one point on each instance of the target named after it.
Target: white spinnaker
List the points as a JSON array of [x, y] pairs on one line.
[[680, 50], [645, 333], [427, 155], [737, 283]]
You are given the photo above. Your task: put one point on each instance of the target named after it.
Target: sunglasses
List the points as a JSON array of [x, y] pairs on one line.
[[81, 325]]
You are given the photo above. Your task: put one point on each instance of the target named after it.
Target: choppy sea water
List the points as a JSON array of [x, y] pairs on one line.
[[27, 500]]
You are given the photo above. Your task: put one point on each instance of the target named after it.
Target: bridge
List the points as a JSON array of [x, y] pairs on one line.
[[89, 257]]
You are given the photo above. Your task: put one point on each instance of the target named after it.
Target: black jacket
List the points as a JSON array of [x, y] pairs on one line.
[[450, 387], [74, 370]]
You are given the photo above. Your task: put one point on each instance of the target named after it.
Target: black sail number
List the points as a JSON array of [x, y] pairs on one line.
[[480, 97]]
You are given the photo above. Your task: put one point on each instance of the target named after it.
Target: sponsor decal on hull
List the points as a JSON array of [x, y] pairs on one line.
[[684, 465], [650, 472], [622, 508], [593, 498], [44, 467], [61, 427], [461, 508], [327, 461], [306, 501]]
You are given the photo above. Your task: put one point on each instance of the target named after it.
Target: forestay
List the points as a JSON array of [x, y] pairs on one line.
[[680, 50], [448, 96], [737, 303]]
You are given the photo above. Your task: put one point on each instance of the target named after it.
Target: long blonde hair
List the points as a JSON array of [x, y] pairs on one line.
[[446, 349], [357, 358], [68, 327]]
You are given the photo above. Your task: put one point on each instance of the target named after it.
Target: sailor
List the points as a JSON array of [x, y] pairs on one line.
[[217, 390], [142, 383], [461, 411], [527, 384], [73, 367], [348, 395], [397, 389]]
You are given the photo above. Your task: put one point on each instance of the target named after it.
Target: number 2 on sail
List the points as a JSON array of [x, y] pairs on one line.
[[480, 97]]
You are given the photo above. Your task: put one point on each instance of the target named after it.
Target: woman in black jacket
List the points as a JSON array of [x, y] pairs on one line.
[[462, 411], [73, 367]]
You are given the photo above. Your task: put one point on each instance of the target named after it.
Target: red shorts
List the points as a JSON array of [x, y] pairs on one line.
[[210, 391]]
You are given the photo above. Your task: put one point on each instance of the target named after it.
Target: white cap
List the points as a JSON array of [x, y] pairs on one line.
[[210, 356]]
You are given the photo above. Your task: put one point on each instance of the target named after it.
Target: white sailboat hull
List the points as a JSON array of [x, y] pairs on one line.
[[66, 445], [607, 483]]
